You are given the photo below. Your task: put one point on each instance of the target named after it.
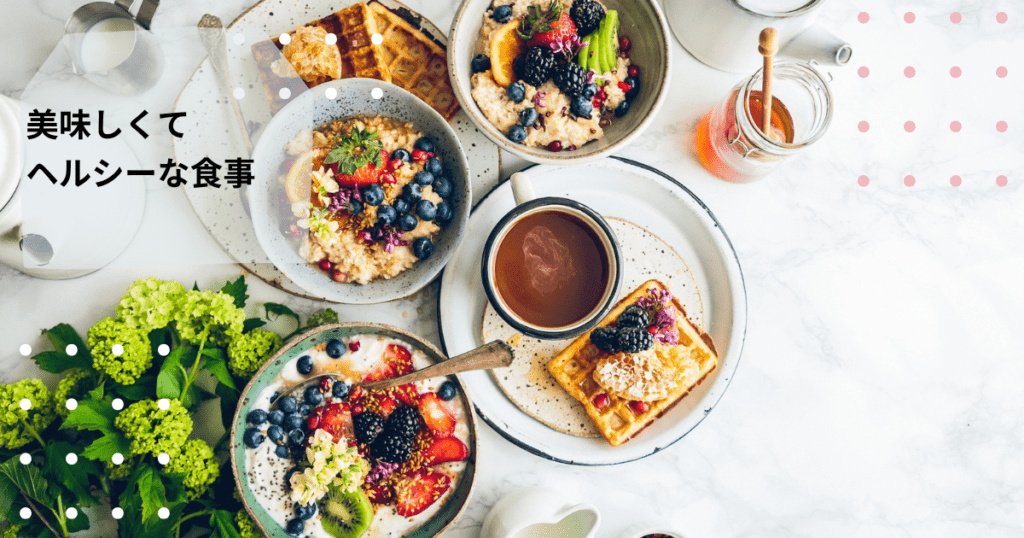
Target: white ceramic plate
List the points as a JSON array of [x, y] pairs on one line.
[[222, 211], [618, 188]]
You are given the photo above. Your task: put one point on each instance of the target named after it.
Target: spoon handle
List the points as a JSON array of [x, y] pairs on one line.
[[496, 354], [211, 32]]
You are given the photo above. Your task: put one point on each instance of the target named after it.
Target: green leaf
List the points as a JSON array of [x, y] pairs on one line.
[[105, 447], [28, 480], [151, 491], [195, 286], [237, 291], [322, 317], [8, 492], [57, 362], [223, 524], [170, 380], [96, 393], [252, 323], [143, 388], [74, 477], [228, 403], [62, 335], [281, 310], [217, 364], [80, 523], [92, 415]]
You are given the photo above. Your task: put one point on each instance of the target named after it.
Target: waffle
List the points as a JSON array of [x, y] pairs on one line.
[[573, 368]]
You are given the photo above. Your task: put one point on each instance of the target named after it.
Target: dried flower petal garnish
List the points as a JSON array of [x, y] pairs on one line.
[[538, 99]]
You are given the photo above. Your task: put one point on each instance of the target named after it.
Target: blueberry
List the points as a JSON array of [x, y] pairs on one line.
[[443, 187], [373, 194], [335, 348], [401, 206], [401, 154], [423, 178], [305, 511], [282, 451], [288, 475], [516, 92], [424, 144], [480, 63], [444, 213], [294, 421], [446, 391], [355, 207], [407, 222], [433, 165], [422, 248], [304, 365], [288, 404], [304, 410], [412, 192], [295, 527], [252, 438], [313, 395], [517, 134], [340, 389], [386, 214], [298, 452], [581, 106], [256, 417], [502, 14], [590, 90], [276, 416], [528, 117], [276, 434], [296, 436], [635, 83], [622, 109], [426, 210], [274, 397]]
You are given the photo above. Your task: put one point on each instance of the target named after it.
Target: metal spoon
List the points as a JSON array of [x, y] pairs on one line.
[[496, 354], [211, 31]]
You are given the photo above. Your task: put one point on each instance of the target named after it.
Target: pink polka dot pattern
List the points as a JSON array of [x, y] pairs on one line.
[[955, 181], [955, 72], [1001, 17], [1001, 181], [863, 72], [909, 17], [909, 72], [863, 126], [1001, 72], [1002, 127], [909, 181], [909, 127], [955, 18], [863, 17], [863, 181], [955, 127]]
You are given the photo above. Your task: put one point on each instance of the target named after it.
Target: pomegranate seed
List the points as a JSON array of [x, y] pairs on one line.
[[345, 407], [353, 345], [572, 147], [652, 329], [338, 276], [326, 264], [422, 156], [601, 94], [625, 44], [601, 401], [633, 71], [395, 164], [325, 384], [388, 178], [639, 407], [625, 86], [357, 409], [555, 146], [313, 422]]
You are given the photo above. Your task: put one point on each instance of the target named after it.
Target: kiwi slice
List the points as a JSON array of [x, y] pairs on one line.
[[345, 515]]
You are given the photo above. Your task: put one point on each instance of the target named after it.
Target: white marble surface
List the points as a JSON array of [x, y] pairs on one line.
[[880, 389]]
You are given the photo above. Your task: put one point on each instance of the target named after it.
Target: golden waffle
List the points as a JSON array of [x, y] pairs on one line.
[[416, 62], [573, 368]]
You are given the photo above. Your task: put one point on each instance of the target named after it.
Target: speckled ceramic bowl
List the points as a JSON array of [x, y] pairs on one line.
[[294, 348], [641, 20], [310, 110]]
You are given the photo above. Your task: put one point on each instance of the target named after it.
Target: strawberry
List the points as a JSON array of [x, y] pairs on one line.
[[387, 405], [436, 415], [383, 370], [335, 421], [399, 358], [444, 450], [380, 494], [407, 394], [415, 492], [419, 155], [367, 174], [543, 27]]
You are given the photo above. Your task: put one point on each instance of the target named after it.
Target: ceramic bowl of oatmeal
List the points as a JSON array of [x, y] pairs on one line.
[[560, 82], [359, 199]]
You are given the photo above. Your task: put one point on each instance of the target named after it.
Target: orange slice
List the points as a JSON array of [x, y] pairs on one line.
[[505, 46]]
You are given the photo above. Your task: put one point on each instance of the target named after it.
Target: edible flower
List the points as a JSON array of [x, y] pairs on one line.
[[380, 471], [331, 464], [538, 99], [393, 239], [664, 316]]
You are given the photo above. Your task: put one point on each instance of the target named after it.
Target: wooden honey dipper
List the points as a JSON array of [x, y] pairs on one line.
[[768, 45]]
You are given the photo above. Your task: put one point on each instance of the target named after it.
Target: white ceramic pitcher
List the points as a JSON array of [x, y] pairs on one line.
[[723, 33], [540, 513]]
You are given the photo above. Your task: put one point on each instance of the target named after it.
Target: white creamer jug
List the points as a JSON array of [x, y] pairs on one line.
[[540, 513]]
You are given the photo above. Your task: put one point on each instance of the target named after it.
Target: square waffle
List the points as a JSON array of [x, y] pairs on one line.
[[573, 368]]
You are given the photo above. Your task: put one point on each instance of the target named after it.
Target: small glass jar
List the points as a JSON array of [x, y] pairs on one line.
[[730, 142]]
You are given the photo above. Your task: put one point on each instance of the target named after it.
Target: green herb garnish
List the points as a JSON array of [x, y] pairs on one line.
[[355, 150]]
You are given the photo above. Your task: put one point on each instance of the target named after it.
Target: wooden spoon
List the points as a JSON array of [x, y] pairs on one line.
[[768, 45]]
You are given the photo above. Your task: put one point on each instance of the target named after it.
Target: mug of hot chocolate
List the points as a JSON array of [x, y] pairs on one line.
[[551, 267]]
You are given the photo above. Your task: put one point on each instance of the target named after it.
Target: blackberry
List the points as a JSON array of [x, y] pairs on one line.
[[586, 15], [537, 66], [392, 448], [368, 426], [404, 421], [633, 316], [570, 78], [635, 340], [606, 339]]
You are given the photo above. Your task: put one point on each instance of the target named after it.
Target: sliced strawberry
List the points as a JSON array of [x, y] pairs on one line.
[[356, 394], [444, 450], [399, 358], [417, 491], [335, 421], [555, 20], [387, 405], [407, 394], [380, 372], [368, 174], [436, 416], [380, 494]]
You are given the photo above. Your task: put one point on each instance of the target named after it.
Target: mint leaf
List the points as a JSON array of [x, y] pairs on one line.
[[92, 415], [74, 477], [237, 291], [223, 524], [105, 447], [217, 364]]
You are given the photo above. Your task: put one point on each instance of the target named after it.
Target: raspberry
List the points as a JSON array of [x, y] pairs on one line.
[[639, 407]]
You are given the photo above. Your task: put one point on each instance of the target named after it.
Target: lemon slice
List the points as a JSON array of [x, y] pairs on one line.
[[297, 182], [505, 46]]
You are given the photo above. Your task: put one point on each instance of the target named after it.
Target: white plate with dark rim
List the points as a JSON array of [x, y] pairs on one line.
[[614, 187], [222, 211]]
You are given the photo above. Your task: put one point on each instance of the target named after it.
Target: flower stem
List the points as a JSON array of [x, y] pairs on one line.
[[40, 515], [32, 431]]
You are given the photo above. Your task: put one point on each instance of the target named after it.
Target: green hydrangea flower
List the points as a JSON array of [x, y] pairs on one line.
[[17, 424], [247, 352], [152, 430], [12, 531], [246, 526], [74, 385], [199, 463], [209, 311], [123, 471], [150, 303], [136, 356]]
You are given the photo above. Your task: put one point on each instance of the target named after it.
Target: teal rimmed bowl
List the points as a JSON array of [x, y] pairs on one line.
[[293, 349]]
